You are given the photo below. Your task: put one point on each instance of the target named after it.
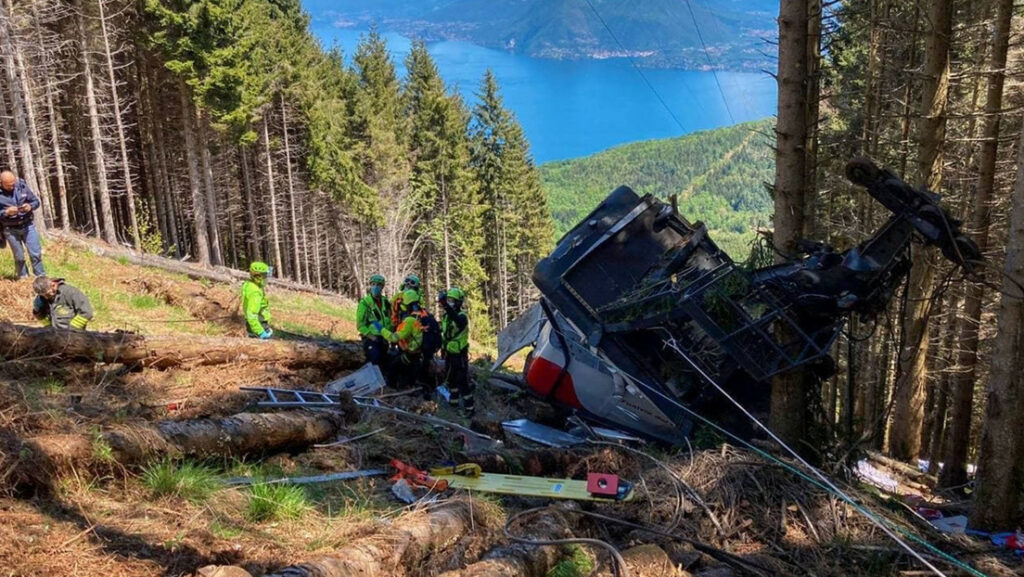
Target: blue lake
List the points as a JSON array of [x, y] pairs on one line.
[[575, 108]]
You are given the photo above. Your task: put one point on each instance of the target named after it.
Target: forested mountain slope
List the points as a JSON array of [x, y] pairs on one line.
[[719, 176], [221, 131]]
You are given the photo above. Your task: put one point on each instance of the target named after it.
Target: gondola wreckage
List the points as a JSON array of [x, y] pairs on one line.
[[644, 323]]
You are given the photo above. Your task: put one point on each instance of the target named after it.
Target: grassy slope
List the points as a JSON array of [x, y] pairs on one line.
[[719, 175], [148, 300]]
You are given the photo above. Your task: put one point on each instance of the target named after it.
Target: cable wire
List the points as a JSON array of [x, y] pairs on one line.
[[711, 64], [638, 69]]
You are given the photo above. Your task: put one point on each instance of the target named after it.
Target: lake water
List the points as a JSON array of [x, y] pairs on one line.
[[575, 108]]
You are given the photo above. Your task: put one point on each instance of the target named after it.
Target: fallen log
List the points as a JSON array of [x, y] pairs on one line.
[[520, 559], [409, 542], [38, 461], [162, 351], [191, 270]]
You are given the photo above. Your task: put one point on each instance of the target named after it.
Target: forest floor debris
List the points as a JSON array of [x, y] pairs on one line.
[[161, 516]]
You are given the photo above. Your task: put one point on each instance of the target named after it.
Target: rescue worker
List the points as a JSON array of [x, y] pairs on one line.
[[372, 318], [455, 348], [411, 282], [254, 302], [17, 214], [431, 344], [408, 335], [60, 305]]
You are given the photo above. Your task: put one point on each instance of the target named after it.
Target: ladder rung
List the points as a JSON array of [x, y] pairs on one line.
[[270, 393]]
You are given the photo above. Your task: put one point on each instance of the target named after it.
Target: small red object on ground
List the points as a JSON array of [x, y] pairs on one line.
[[602, 484]]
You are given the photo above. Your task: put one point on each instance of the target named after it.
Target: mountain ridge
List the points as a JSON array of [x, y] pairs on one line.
[[655, 33]]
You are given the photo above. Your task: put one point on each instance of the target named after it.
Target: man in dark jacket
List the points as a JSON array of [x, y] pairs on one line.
[[60, 305], [17, 209]]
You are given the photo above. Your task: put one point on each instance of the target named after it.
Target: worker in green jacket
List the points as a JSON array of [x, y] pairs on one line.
[[254, 302], [60, 305], [373, 316], [411, 282], [455, 348], [408, 335]]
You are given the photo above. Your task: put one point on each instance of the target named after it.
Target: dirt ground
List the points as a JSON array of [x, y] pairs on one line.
[[102, 517]]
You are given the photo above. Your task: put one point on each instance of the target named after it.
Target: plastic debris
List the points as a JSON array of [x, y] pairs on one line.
[[956, 524], [542, 434], [875, 476], [403, 491], [361, 383]]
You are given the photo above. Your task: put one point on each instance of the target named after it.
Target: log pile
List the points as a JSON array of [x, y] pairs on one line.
[[162, 351]]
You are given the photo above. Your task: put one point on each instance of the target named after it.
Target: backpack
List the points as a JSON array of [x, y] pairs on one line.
[[431, 333]]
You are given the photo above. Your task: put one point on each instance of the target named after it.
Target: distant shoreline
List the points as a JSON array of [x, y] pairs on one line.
[[690, 59]]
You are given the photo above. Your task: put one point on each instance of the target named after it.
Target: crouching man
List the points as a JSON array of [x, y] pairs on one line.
[[60, 305]]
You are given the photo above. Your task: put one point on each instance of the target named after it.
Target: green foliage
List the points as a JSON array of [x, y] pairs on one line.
[[275, 502], [719, 176], [144, 302], [101, 449], [576, 564], [185, 480]]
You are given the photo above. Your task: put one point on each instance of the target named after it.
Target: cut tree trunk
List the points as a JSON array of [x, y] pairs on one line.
[[162, 351], [37, 461], [409, 542], [521, 560]]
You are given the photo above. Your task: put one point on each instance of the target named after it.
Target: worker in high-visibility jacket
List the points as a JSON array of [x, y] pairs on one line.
[[254, 302], [411, 282], [455, 348], [60, 305], [373, 315], [408, 335]]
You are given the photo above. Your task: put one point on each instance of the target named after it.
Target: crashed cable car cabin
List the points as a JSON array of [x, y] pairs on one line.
[[641, 311]]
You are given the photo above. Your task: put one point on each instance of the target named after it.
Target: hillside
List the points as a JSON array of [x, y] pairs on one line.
[[657, 32], [114, 468], [718, 174]]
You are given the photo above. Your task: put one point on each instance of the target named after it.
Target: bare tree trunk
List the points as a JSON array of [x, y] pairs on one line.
[[209, 196], [296, 269], [1001, 463], [121, 138], [251, 239], [19, 110], [106, 212], [276, 240], [788, 402], [198, 199], [905, 434], [954, 471], [12, 160], [316, 244]]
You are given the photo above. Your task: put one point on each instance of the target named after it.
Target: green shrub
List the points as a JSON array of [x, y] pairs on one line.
[[185, 480], [275, 501]]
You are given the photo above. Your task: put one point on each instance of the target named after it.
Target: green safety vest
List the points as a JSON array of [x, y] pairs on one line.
[[455, 340], [368, 311]]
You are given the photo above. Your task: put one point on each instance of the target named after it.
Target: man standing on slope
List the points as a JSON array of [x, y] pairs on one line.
[[455, 348], [17, 209], [254, 302], [371, 319], [60, 305]]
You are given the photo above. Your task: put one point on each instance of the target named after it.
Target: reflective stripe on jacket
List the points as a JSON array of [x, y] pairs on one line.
[[70, 309]]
